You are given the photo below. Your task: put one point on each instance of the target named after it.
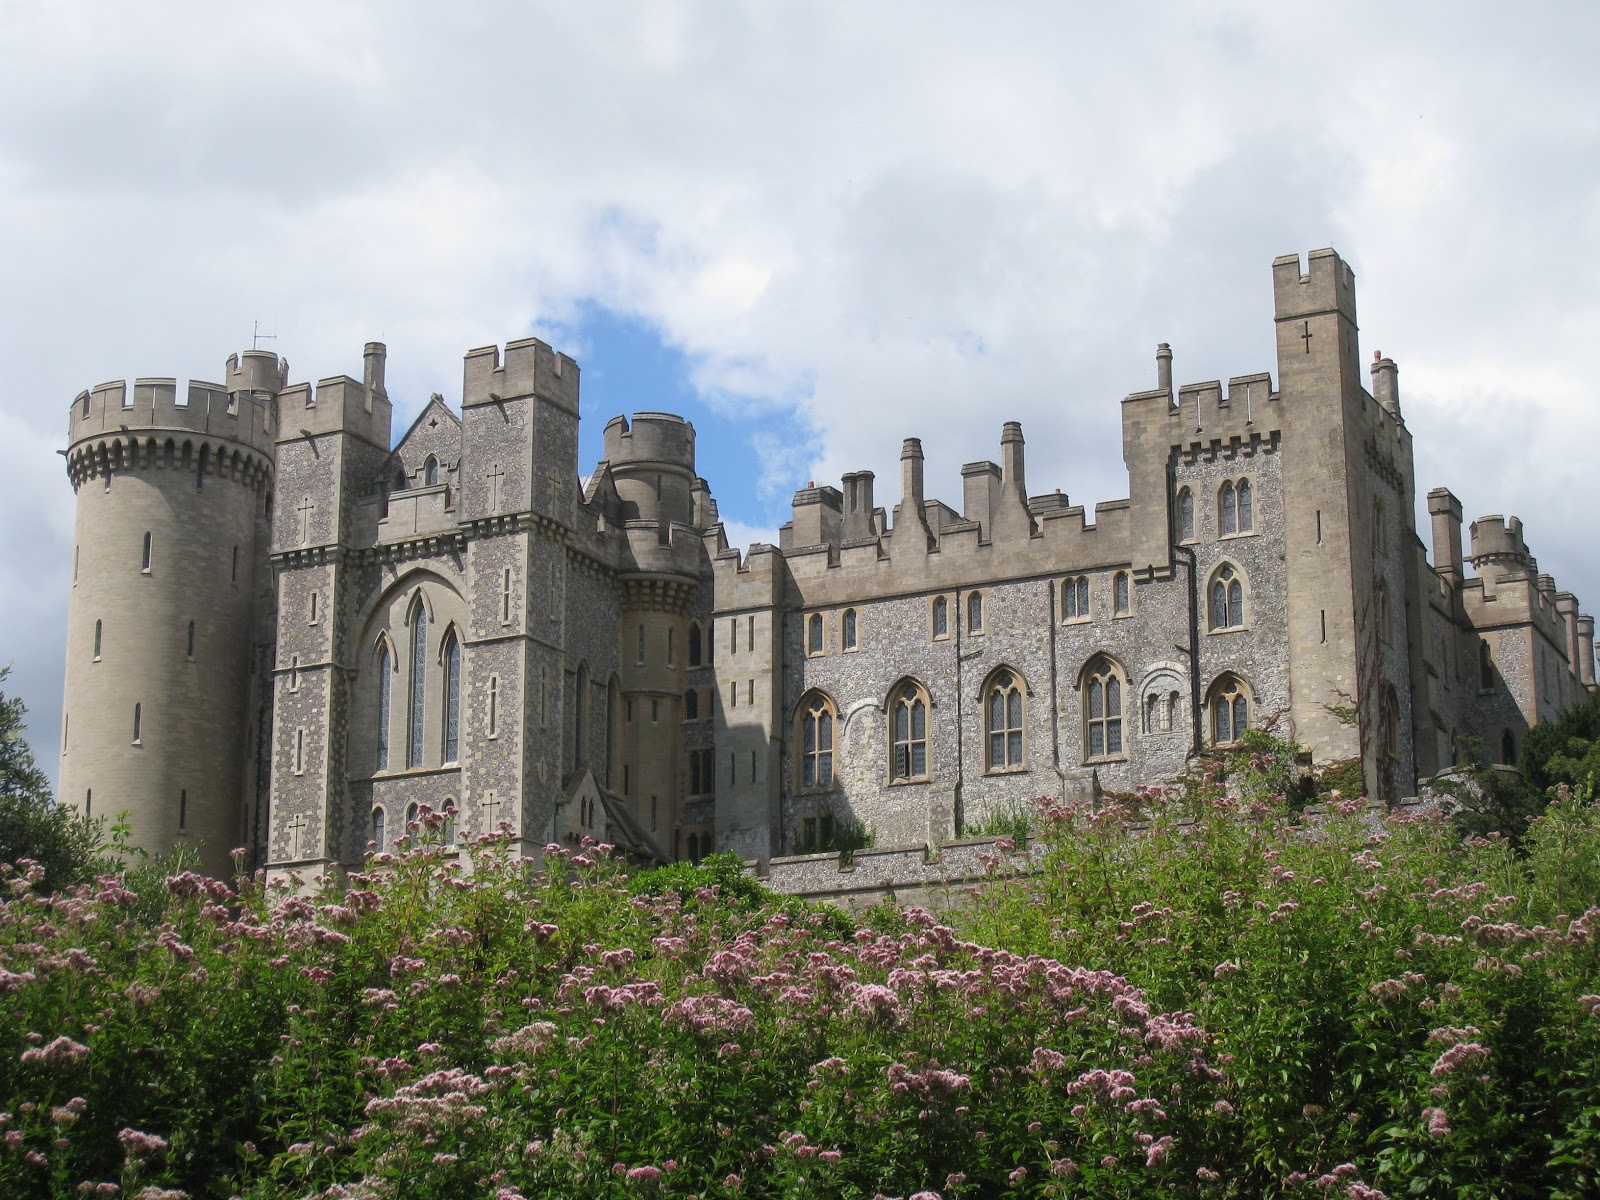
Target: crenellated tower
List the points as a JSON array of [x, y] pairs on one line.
[[168, 629]]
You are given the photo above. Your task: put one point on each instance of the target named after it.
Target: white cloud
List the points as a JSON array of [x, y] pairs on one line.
[[892, 219]]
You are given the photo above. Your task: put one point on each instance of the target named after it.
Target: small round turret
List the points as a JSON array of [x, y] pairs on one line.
[[653, 465], [173, 494]]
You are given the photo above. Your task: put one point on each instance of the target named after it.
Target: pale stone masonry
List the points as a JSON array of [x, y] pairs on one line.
[[287, 630]]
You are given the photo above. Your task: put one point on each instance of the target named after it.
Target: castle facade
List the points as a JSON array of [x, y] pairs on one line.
[[286, 631]]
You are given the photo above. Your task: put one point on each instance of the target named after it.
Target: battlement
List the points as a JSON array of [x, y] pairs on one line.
[[257, 371], [159, 405], [1327, 284], [531, 368], [655, 439]]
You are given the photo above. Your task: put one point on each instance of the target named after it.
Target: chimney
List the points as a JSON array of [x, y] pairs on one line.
[[911, 478], [858, 505], [372, 374], [1586, 650], [1445, 510], [1164, 368], [1386, 384], [1011, 465]]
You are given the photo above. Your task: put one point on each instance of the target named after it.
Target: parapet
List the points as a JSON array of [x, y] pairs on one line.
[[1327, 284], [531, 368], [655, 438], [158, 406]]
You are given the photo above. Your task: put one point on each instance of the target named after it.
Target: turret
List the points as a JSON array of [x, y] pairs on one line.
[[173, 486], [1164, 368], [1586, 650], [858, 518], [1497, 547]]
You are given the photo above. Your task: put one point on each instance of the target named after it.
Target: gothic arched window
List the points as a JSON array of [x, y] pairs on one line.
[[818, 718], [430, 471], [1185, 515], [849, 623], [1246, 514], [814, 634], [1075, 599], [419, 666], [1230, 710], [691, 705], [908, 733], [975, 612], [1102, 709], [941, 617], [694, 645], [1485, 668], [1227, 511], [1227, 599], [1119, 591], [377, 825], [1003, 718], [381, 759], [452, 699]]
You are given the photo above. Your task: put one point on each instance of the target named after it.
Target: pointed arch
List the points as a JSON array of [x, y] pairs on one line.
[[430, 471], [816, 728], [450, 661], [1228, 703], [1103, 685], [910, 747], [1003, 699], [695, 637], [1226, 594], [1185, 515], [417, 667]]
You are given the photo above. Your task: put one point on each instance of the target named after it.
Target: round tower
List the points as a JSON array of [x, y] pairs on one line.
[[174, 495]]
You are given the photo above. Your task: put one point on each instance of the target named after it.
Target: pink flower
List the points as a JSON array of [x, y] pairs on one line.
[[1018, 1175], [62, 1050], [140, 1146], [1438, 1122], [1461, 1052], [645, 1174], [1157, 1153]]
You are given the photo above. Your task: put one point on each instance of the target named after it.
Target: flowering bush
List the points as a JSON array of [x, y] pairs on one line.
[[1215, 1003], [1392, 1010]]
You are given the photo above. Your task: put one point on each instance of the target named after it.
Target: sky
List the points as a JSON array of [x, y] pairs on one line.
[[814, 229]]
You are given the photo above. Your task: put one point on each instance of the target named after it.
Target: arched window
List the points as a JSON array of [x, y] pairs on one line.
[[413, 822], [1160, 704], [1508, 749], [1247, 518], [1003, 717], [975, 612], [97, 639], [814, 634], [1230, 710], [494, 706], [449, 821], [1391, 725], [1102, 709], [1075, 599], [1227, 599], [1185, 515], [377, 825], [694, 645], [849, 636], [1227, 509], [1485, 669], [1380, 527], [430, 471], [1119, 591], [452, 698], [138, 721], [1152, 713], [191, 639], [419, 666], [817, 721], [908, 733], [381, 761], [941, 617], [400, 480], [691, 705]]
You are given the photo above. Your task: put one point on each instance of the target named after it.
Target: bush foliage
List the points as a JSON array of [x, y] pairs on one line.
[[1219, 1002]]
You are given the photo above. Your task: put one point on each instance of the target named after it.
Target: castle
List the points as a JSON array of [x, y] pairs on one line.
[[286, 631]]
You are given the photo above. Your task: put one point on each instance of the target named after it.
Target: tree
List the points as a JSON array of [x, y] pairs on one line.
[[32, 824]]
